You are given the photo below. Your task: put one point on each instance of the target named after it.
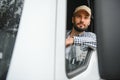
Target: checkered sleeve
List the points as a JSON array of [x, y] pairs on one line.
[[85, 41]]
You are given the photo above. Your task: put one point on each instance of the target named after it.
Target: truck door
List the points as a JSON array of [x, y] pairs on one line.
[[89, 69]]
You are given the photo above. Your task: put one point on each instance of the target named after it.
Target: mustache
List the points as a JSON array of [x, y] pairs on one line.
[[80, 23]]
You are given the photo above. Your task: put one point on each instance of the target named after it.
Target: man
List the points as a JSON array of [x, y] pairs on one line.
[[78, 36]]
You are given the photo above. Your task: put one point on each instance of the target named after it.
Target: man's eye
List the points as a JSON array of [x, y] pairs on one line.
[[86, 17], [78, 16]]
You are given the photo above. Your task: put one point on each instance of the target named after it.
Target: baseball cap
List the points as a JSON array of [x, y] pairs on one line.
[[83, 7]]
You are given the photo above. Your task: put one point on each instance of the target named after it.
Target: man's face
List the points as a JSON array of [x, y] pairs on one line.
[[81, 20]]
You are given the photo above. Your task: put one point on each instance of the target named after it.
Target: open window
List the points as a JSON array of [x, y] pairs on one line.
[[10, 13], [77, 60]]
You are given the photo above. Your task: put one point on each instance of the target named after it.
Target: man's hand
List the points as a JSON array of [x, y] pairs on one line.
[[69, 41]]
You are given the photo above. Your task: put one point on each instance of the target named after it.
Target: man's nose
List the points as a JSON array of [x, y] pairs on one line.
[[82, 19]]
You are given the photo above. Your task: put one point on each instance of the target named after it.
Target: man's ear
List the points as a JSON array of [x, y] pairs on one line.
[[89, 22]]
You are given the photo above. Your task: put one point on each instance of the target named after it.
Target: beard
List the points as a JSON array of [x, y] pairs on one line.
[[79, 29]]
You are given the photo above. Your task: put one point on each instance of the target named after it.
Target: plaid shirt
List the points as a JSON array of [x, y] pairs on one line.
[[85, 40], [79, 49]]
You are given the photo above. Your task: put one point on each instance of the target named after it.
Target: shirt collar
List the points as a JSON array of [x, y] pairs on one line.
[[68, 33]]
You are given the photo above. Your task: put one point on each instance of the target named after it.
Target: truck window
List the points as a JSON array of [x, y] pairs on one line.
[[77, 59], [10, 13]]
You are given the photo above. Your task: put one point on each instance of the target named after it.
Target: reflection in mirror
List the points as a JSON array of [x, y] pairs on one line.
[[76, 58], [10, 13]]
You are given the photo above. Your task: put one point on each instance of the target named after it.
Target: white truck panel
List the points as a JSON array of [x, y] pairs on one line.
[[34, 52]]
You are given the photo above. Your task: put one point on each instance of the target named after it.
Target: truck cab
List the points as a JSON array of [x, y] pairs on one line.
[[32, 40]]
